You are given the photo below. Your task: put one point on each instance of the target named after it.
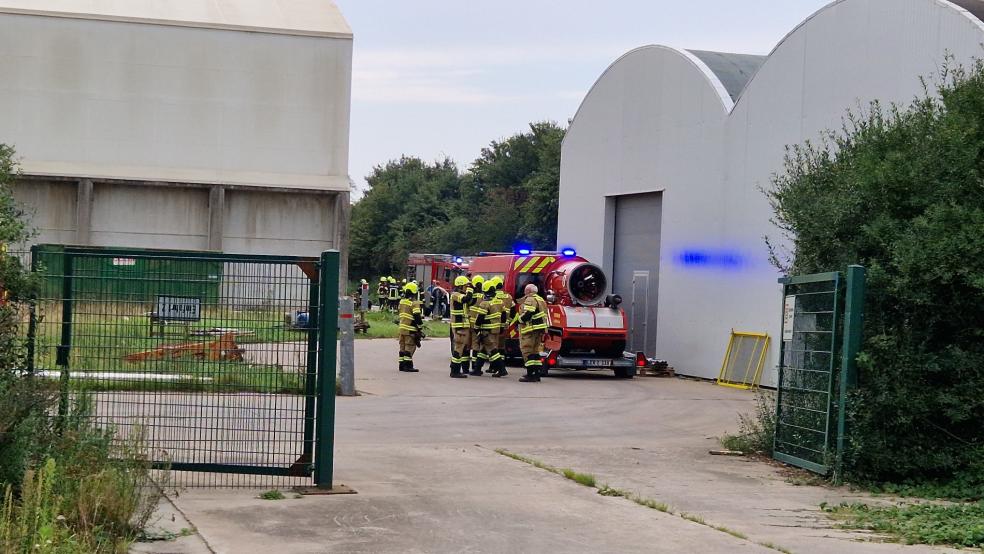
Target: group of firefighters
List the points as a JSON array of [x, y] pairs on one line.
[[481, 313]]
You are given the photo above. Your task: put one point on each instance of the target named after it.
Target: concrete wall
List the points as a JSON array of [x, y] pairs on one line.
[[124, 100], [232, 220], [658, 121]]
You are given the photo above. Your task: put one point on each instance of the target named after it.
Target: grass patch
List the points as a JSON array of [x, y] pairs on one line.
[[960, 525], [755, 430], [272, 495], [585, 479], [384, 325], [90, 493]]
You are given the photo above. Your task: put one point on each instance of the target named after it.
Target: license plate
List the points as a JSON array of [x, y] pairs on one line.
[[597, 363]]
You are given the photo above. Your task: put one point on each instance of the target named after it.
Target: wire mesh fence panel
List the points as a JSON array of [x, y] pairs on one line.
[[212, 358], [807, 371]]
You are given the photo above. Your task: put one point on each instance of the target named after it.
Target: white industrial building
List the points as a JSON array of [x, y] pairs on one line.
[[191, 124], [663, 165]]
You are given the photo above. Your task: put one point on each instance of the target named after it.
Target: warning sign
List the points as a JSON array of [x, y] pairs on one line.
[[179, 308], [788, 317]]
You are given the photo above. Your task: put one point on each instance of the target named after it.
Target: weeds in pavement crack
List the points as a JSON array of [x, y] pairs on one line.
[[589, 480]]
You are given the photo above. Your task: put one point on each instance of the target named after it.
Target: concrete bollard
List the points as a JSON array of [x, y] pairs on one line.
[[346, 346]]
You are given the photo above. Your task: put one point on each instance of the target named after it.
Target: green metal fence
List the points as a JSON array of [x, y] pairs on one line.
[[223, 363], [821, 335]]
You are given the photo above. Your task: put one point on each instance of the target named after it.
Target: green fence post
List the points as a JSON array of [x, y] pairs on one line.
[[853, 324], [327, 355], [32, 322], [311, 376], [67, 297]]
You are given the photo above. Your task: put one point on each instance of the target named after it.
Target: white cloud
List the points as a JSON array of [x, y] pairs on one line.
[[415, 76]]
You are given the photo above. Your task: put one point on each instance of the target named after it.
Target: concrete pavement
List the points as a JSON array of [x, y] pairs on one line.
[[420, 451]]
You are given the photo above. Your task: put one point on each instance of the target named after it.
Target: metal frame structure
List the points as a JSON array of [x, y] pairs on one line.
[[750, 379], [823, 317], [246, 394]]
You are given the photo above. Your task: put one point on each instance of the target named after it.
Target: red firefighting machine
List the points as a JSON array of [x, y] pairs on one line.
[[587, 328], [435, 275]]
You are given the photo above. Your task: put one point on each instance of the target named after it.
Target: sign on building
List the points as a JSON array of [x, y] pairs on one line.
[[179, 308]]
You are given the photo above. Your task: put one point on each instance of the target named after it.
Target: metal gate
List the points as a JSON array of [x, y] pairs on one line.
[[820, 330], [222, 364]]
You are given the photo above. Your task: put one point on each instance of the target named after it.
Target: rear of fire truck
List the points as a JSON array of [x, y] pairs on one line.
[[587, 328]]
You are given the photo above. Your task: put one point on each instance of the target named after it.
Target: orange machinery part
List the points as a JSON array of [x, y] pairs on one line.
[[223, 349]]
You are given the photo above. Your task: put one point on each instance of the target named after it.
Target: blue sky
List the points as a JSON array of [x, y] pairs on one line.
[[435, 78]]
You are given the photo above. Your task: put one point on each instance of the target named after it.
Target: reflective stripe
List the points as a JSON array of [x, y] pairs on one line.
[[529, 265], [537, 362], [546, 261], [519, 262]]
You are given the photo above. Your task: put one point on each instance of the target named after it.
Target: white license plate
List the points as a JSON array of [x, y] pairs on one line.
[[598, 363]]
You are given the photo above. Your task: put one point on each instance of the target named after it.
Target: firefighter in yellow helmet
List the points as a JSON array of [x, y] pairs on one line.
[[382, 292], [532, 315], [477, 357], [508, 313], [460, 330], [489, 324], [393, 294], [411, 327]]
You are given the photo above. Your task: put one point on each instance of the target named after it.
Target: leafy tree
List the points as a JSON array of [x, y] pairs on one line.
[[901, 191], [509, 194]]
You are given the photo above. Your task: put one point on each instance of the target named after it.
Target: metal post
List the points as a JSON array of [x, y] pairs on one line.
[[311, 377], [66, 327], [346, 347], [853, 325], [32, 323], [327, 359]]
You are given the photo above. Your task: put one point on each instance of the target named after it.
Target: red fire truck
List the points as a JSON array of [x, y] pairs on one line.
[[587, 328], [435, 274]]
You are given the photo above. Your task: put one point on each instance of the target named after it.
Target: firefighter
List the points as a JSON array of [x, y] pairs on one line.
[[490, 326], [393, 298], [382, 292], [477, 357], [460, 331], [411, 325], [532, 315], [508, 313]]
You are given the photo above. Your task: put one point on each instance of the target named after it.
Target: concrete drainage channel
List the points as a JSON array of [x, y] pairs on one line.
[[589, 480]]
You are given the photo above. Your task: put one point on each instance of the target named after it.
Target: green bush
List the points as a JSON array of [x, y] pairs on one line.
[[755, 430], [901, 192]]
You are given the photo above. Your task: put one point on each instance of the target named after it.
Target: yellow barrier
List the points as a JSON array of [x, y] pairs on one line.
[[732, 374]]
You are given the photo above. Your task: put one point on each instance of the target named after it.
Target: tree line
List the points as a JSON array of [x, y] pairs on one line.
[[509, 194]]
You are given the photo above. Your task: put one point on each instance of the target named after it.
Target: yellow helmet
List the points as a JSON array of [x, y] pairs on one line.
[[460, 281], [497, 280], [382, 279], [489, 285], [412, 287], [477, 280], [392, 280]]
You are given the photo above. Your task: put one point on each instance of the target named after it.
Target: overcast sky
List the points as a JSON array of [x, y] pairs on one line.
[[435, 78]]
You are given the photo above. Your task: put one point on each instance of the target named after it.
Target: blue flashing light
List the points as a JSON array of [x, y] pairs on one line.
[[709, 258], [569, 252], [459, 260], [524, 251]]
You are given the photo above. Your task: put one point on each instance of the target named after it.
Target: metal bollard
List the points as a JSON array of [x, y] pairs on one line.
[[346, 348]]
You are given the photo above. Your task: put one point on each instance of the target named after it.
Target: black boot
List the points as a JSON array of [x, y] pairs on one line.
[[410, 368], [532, 376], [477, 367], [456, 372]]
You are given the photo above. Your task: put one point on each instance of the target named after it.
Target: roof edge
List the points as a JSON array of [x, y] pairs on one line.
[[179, 23], [727, 103]]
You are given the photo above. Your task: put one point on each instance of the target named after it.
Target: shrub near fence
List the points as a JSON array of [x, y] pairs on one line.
[[899, 191]]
